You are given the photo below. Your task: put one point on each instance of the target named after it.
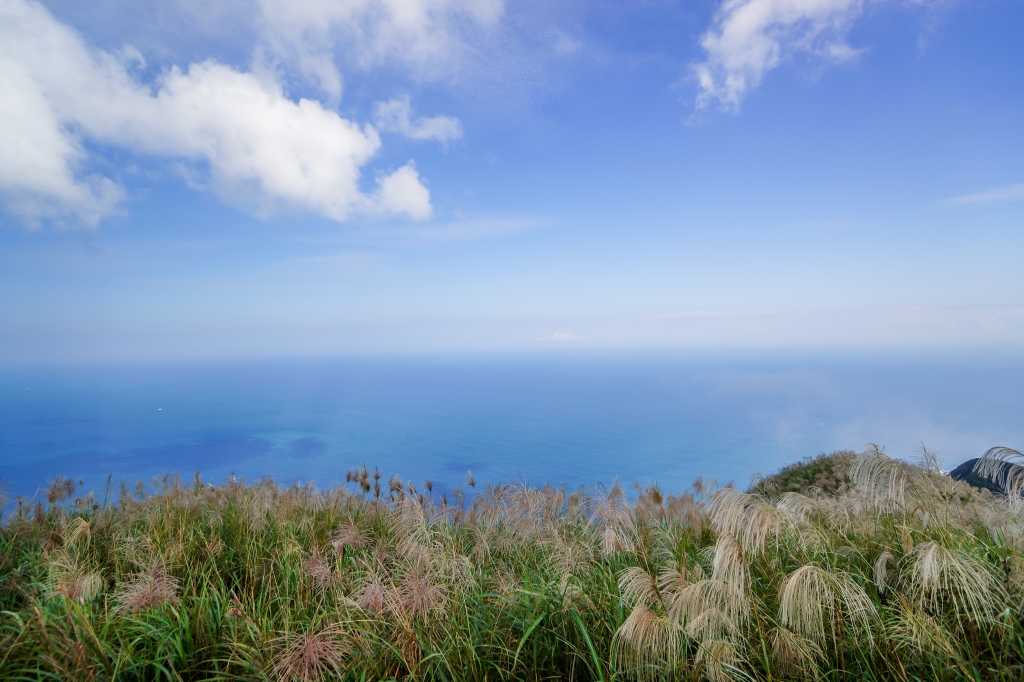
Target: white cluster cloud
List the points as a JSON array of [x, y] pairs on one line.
[[750, 37], [396, 116], [262, 149], [422, 35]]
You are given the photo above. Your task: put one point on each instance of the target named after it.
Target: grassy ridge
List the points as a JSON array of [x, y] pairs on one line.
[[902, 574], [828, 474]]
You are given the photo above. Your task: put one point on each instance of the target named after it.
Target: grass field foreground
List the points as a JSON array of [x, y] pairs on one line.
[[896, 573]]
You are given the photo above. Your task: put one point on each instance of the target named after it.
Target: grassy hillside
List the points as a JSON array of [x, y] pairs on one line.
[[902, 574], [829, 474]]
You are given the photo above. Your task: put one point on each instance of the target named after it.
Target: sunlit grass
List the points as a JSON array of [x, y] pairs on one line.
[[900, 573]]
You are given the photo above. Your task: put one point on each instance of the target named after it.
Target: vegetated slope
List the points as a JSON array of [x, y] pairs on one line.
[[829, 474], [825, 473], [903, 574]]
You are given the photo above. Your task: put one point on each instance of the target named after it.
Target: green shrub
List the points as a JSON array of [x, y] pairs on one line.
[[826, 473]]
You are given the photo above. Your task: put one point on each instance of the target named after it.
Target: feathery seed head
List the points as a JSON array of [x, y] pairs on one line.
[[348, 534], [812, 598], [148, 589], [709, 610], [313, 656], [638, 587], [881, 571], [671, 581], [60, 489], [883, 480], [77, 533], [948, 576], [918, 633], [72, 581], [373, 596], [614, 541], [997, 464], [317, 569], [746, 517], [646, 643], [729, 565], [418, 592], [796, 508]]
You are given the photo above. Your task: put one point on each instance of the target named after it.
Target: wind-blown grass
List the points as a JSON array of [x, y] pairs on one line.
[[903, 574]]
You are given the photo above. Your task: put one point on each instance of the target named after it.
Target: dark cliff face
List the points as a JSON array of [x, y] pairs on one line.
[[965, 472]]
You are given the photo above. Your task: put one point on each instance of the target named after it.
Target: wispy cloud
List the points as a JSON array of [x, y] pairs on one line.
[[395, 116], [427, 37], [748, 38], [991, 196]]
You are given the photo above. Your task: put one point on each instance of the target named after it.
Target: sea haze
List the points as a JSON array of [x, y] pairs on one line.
[[556, 419]]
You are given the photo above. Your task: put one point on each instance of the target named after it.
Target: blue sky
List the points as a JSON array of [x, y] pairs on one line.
[[243, 178]]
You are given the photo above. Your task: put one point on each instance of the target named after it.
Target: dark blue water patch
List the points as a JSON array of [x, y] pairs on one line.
[[557, 420], [306, 447]]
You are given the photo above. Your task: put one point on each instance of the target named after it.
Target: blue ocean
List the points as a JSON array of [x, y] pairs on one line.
[[544, 419]]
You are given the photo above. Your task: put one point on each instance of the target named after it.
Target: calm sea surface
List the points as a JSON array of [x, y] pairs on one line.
[[546, 419]]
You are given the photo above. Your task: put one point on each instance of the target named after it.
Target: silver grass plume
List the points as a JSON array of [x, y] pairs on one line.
[[68, 579], [812, 598], [646, 643], [77, 533], [888, 483], [346, 535], [748, 518], [997, 464], [880, 572], [939, 576], [637, 587], [797, 509]]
